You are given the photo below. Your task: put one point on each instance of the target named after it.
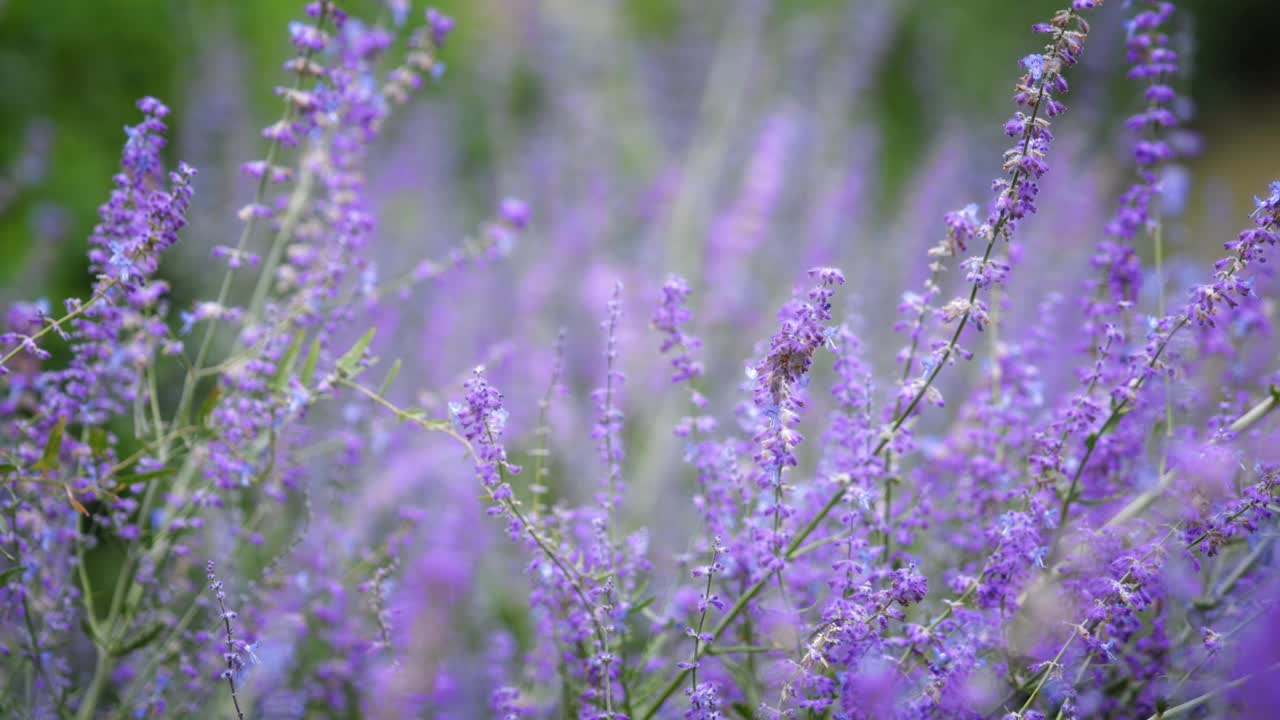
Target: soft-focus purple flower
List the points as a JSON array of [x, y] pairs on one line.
[[668, 318]]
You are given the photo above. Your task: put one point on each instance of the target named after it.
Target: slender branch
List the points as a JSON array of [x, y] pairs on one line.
[[1117, 412], [543, 544], [251, 223], [231, 653], [1196, 702], [56, 324], [297, 203]]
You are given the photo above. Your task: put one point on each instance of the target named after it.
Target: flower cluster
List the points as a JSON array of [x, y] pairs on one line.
[[778, 380], [668, 318], [481, 418]]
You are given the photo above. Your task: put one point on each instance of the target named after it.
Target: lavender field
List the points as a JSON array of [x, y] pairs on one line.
[[625, 361]]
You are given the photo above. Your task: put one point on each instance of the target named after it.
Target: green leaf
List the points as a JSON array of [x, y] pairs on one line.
[[640, 606], [210, 402], [349, 364], [280, 383], [420, 417], [309, 365], [145, 638], [391, 377], [1112, 421], [142, 477], [98, 441], [8, 468], [49, 458], [6, 574]]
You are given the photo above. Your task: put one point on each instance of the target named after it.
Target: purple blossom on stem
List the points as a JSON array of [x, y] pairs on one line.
[[607, 431], [668, 319], [781, 371], [1238, 517], [778, 380], [232, 657], [481, 418]]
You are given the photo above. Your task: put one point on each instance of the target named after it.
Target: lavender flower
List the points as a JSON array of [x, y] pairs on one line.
[[233, 657], [778, 381], [668, 317], [481, 418]]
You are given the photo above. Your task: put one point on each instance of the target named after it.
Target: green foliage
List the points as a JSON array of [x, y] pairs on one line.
[[349, 364], [284, 370], [49, 457], [656, 18], [63, 66]]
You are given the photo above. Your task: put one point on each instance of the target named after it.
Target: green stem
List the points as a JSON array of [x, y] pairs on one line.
[[738, 650], [101, 670], [1157, 234], [543, 432], [154, 663], [1196, 702], [948, 612], [1140, 503], [101, 293], [297, 203], [508, 505], [273, 147], [1084, 667], [1117, 412], [702, 620]]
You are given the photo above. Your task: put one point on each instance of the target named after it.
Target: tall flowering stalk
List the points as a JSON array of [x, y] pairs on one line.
[[1024, 163], [777, 383], [1206, 302]]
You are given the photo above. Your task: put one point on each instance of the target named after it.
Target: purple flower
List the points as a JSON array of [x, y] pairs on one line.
[[668, 318], [481, 418], [440, 24], [514, 212], [1034, 65]]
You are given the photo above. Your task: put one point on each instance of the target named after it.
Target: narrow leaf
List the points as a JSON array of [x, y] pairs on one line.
[[145, 638], [640, 606], [309, 365], [74, 502], [285, 369], [125, 480], [49, 458], [98, 441], [210, 402], [349, 363], [391, 377]]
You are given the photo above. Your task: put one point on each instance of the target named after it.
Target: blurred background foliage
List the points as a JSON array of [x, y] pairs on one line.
[[71, 70]]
